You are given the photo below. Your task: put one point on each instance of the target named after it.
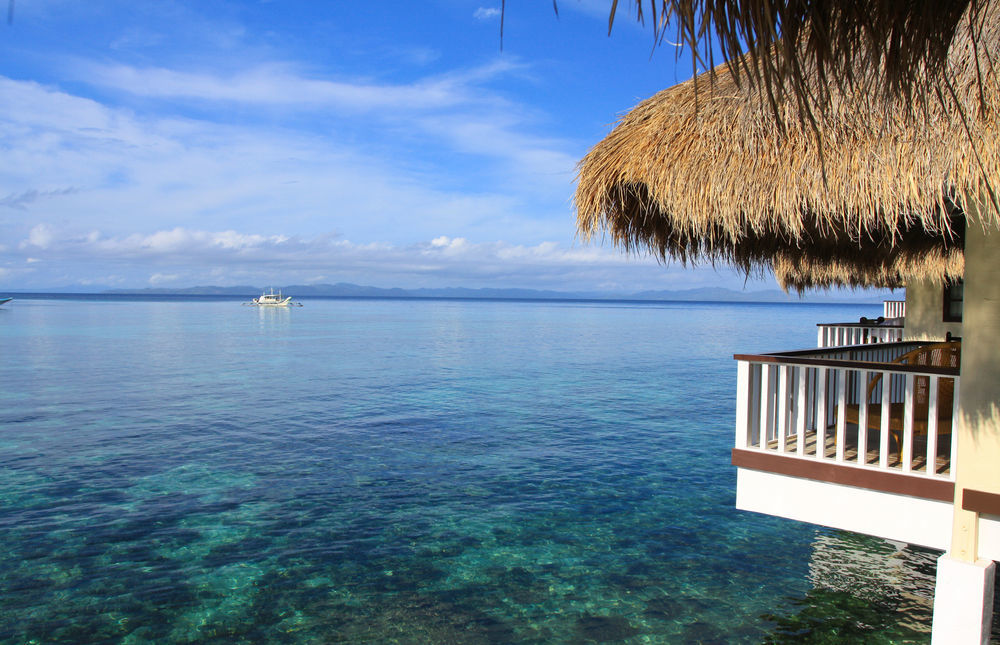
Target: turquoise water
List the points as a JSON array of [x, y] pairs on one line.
[[380, 471]]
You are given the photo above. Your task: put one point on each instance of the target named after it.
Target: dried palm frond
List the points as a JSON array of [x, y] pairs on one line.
[[712, 174], [890, 48]]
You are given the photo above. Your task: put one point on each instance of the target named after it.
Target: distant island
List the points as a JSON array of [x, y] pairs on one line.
[[347, 290]]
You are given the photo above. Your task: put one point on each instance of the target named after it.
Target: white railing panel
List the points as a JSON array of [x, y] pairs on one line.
[[893, 308], [780, 401], [835, 335]]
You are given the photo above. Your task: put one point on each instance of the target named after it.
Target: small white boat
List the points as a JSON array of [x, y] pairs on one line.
[[272, 299]]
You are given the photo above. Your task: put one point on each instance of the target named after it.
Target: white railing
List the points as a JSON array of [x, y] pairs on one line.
[[840, 334], [894, 308], [831, 406]]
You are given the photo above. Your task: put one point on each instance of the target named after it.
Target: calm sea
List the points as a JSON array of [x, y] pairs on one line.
[[402, 471]]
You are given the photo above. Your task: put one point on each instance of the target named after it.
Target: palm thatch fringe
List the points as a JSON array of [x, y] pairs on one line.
[[710, 173]]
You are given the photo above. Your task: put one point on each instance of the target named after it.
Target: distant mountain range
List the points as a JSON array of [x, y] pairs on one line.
[[346, 290]]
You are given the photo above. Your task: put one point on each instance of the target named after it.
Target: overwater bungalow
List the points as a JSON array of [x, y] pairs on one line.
[[891, 430]]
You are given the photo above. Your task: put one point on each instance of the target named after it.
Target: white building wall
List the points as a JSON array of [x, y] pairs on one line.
[[887, 515]]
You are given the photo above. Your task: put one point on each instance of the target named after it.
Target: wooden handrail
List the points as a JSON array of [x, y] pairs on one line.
[[868, 325], [815, 351], [871, 366]]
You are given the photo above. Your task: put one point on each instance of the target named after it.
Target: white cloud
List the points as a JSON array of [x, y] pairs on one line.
[[136, 173], [162, 278], [39, 237], [486, 13], [183, 257], [282, 84]]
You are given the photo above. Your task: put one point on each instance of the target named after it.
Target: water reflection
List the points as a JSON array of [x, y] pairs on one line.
[[271, 318], [865, 589]]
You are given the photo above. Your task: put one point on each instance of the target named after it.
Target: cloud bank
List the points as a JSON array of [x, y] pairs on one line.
[[183, 257]]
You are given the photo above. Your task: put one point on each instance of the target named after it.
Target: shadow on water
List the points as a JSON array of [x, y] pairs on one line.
[[865, 590]]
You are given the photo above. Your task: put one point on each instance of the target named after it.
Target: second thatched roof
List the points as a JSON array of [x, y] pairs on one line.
[[706, 171]]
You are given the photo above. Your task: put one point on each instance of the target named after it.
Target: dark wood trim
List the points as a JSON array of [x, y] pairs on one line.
[[980, 501], [872, 325], [841, 348], [871, 366], [897, 483]]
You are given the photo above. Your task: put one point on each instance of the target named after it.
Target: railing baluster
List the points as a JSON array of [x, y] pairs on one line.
[[755, 402], [801, 401], [932, 425], [766, 405], [784, 401], [742, 404], [821, 412], [863, 417], [908, 401], [885, 431], [842, 412]]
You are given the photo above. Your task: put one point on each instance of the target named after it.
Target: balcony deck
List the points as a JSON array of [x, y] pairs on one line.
[[788, 403], [894, 460]]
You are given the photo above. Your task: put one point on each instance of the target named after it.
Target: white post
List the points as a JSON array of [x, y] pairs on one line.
[[862, 417], [784, 375], [932, 425], [742, 404], [963, 602], [821, 373], [801, 401], [883, 448], [841, 413], [908, 403], [766, 404]]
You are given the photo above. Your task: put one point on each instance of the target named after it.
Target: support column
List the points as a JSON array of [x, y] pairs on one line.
[[963, 602], [963, 597]]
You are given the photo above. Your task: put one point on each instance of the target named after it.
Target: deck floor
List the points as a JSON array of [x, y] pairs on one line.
[[871, 457]]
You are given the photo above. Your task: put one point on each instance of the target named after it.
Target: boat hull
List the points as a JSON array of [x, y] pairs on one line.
[[282, 303]]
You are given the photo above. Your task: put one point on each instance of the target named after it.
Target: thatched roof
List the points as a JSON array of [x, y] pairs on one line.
[[707, 171]]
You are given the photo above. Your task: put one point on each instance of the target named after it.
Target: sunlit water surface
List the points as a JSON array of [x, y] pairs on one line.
[[409, 471]]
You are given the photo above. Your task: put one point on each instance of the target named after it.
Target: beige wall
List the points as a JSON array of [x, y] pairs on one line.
[[924, 310], [978, 463]]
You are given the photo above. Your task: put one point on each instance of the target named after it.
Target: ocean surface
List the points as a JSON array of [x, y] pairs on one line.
[[410, 471]]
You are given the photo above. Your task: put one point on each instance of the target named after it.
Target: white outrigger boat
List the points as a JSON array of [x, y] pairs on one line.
[[272, 299]]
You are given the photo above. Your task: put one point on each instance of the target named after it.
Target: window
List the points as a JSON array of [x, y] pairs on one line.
[[953, 292]]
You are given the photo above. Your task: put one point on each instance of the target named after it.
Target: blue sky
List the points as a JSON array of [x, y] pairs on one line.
[[177, 143]]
